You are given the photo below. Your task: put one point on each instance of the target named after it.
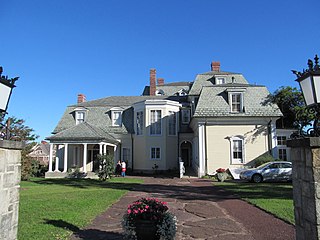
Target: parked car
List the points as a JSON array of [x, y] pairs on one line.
[[271, 171]]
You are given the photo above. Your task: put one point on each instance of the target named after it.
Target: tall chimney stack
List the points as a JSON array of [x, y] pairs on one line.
[[152, 82], [215, 66], [160, 81], [81, 98]]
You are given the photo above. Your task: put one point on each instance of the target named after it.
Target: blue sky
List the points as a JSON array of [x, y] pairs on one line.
[[106, 47]]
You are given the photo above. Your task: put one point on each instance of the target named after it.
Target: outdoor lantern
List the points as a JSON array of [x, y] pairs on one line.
[[309, 81], [6, 86]]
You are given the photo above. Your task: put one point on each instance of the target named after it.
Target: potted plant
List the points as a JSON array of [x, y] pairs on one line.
[[149, 218], [221, 174]]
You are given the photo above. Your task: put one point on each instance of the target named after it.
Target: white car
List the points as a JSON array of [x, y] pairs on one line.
[[271, 171]]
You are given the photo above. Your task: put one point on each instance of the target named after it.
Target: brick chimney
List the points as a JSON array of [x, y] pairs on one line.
[[152, 82], [215, 66], [81, 98], [160, 81]]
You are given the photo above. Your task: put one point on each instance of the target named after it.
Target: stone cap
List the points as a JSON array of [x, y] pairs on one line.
[[311, 142], [12, 144]]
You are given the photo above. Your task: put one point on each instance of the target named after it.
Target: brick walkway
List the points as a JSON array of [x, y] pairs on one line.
[[203, 212]]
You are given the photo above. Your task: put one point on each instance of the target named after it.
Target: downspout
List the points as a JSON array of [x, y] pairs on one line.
[[132, 151], [205, 147], [269, 138]]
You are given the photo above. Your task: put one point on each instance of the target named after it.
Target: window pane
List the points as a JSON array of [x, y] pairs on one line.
[[236, 102], [155, 122]]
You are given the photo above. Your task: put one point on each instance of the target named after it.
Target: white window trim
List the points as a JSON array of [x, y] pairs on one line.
[[113, 118], [220, 78], [77, 112], [176, 122], [150, 123], [155, 159], [233, 160], [241, 101]]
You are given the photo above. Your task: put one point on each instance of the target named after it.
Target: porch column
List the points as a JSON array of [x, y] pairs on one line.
[[201, 150], [57, 165], [65, 157], [85, 150], [115, 153], [105, 148], [273, 134], [50, 157], [100, 149]]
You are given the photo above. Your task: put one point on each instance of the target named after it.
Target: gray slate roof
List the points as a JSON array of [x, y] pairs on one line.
[[208, 79], [83, 131], [99, 115], [213, 102]]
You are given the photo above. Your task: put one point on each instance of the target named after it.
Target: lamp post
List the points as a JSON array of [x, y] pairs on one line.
[[6, 86], [309, 81]]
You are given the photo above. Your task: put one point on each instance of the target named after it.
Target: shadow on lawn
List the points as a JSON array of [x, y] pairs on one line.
[[86, 234], [195, 189]]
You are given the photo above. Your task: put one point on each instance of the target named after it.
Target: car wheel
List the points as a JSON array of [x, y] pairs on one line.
[[257, 178]]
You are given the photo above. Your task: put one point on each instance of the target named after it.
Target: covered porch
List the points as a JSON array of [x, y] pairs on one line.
[[79, 151]]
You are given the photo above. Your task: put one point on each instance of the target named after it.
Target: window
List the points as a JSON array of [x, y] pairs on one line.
[[282, 140], [80, 115], [139, 123], [283, 154], [185, 116], [116, 118], [236, 103], [237, 150], [126, 154], [172, 122], [155, 153], [220, 80], [155, 122]]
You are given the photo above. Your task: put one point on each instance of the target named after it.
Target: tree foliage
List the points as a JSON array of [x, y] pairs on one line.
[[18, 131], [291, 103]]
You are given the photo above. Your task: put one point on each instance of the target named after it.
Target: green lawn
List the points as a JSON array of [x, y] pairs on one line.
[[275, 198], [54, 208]]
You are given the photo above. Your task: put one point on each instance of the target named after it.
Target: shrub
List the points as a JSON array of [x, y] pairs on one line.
[[106, 167]]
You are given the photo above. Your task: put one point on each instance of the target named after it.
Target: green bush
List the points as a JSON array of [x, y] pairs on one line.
[[106, 167]]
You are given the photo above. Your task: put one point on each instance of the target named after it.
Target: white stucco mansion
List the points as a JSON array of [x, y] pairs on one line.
[[217, 120]]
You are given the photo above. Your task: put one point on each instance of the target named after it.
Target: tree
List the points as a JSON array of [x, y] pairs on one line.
[[17, 131], [291, 103]]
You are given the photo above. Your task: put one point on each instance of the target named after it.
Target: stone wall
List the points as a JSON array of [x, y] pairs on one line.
[[305, 156], [10, 174]]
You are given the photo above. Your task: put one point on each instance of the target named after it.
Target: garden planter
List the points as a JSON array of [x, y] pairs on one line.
[[221, 176], [146, 230]]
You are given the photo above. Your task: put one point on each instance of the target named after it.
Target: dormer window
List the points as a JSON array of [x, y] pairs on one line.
[[236, 100], [80, 115], [220, 80], [116, 118]]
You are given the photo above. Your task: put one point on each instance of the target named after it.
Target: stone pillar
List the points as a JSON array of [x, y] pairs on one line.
[[85, 150], [305, 156], [10, 175], [50, 157]]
